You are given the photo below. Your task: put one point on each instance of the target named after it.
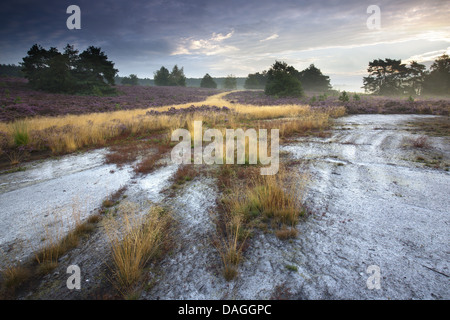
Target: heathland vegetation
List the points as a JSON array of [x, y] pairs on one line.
[[70, 102], [69, 72], [135, 240]]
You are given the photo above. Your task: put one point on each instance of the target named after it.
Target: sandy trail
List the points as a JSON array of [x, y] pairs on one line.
[[371, 205], [374, 207], [40, 201]]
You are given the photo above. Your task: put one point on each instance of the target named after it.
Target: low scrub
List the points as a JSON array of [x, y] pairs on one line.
[[230, 246], [14, 276], [253, 201], [271, 198], [134, 243]]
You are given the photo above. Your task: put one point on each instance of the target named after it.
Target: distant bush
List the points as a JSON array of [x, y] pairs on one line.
[[20, 133], [208, 82], [312, 79], [230, 82], [344, 97], [323, 97], [163, 77], [282, 82], [256, 81], [11, 70], [177, 77], [132, 80]]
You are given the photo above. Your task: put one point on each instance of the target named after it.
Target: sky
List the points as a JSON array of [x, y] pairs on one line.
[[223, 37]]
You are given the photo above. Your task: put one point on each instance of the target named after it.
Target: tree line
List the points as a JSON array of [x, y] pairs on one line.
[[89, 72], [280, 80], [392, 77], [176, 77], [11, 70], [311, 79]]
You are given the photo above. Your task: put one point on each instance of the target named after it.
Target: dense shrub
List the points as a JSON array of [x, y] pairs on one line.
[[282, 82], [230, 82], [208, 82], [163, 77]]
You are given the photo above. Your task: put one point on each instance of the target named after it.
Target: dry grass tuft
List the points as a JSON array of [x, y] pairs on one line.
[[421, 142], [14, 276], [269, 196], [136, 242], [56, 244], [253, 201], [230, 246], [151, 161], [286, 233], [184, 173]]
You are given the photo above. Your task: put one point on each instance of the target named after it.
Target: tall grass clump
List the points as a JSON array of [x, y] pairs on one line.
[[260, 200], [270, 198], [20, 133], [230, 246], [276, 201], [13, 276], [135, 242]]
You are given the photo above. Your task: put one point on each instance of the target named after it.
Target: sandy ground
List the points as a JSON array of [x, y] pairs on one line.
[[371, 204], [374, 206], [41, 200]]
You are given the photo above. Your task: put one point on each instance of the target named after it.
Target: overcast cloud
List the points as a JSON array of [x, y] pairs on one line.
[[238, 37]]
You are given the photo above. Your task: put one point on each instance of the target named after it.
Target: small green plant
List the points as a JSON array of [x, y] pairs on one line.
[[323, 97], [344, 97], [356, 97], [20, 133], [411, 99], [291, 267], [107, 203]]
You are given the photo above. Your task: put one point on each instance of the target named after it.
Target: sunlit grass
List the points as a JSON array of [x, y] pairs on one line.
[[72, 132]]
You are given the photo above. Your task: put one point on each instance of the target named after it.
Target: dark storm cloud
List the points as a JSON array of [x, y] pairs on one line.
[[122, 25], [219, 36]]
